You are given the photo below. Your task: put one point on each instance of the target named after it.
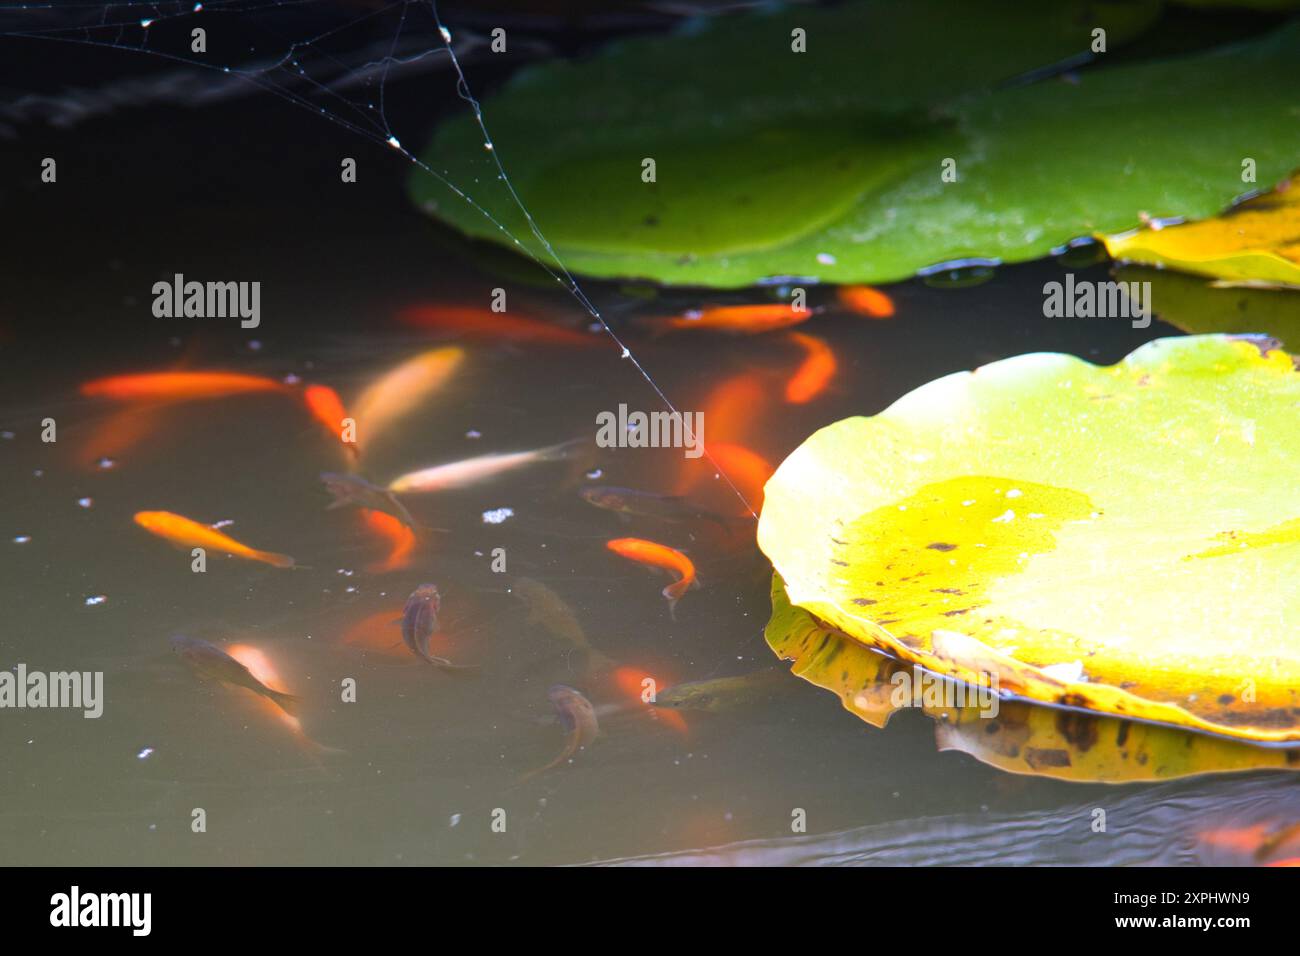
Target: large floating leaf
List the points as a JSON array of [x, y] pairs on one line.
[[1122, 539], [1021, 737], [827, 164], [1255, 242]]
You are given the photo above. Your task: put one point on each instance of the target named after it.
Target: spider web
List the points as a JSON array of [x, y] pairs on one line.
[[340, 72]]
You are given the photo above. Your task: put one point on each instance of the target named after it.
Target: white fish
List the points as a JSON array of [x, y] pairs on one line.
[[471, 471]]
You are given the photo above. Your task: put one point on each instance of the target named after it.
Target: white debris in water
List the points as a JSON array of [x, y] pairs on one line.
[[104, 464], [223, 523], [85, 502], [498, 515], [96, 600], [144, 754], [473, 433], [826, 259], [455, 820], [594, 474], [22, 538], [1014, 493], [1006, 517]]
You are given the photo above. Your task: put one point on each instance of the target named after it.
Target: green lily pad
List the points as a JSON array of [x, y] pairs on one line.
[[827, 164], [756, 147], [1123, 540]]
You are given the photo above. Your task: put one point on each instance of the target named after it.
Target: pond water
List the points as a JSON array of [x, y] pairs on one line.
[[424, 767]]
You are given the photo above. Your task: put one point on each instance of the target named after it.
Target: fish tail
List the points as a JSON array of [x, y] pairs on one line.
[[565, 449], [599, 662], [463, 670], [286, 702], [276, 560]]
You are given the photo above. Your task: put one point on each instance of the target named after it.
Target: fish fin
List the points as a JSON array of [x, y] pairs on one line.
[[336, 503], [565, 449], [286, 702], [462, 670]]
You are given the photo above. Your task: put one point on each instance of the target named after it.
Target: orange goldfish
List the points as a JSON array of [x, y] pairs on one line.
[[190, 534], [748, 470], [814, 374], [467, 320], [741, 319], [659, 556], [327, 408], [865, 300], [178, 386], [637, 685], [120, 432], [400, 538], [731, 409], [402, 389]]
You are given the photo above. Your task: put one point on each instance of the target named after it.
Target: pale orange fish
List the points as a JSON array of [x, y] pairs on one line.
[[747, 469], [260, 665], [814, 373], [120, 432], [467, 320], [865, 300], [327, 408], [375, 633], [471, 471], [659, 556], [191, 534], [400, 538], [179, 386], [741, 319], [401, 390]]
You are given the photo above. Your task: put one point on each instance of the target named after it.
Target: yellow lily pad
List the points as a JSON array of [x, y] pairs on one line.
[[1197, 304], [1017, 737], [1121, 539], [1256, 242]]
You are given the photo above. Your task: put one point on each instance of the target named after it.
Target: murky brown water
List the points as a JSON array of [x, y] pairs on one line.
[[419, 765]]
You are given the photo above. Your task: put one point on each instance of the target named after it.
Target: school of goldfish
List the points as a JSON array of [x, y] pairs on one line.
[[733, 410]]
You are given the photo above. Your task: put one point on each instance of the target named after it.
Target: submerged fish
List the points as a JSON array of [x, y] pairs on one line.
[[553, 614], [400, 538], [814, 373], [578, 718], [659, 556], [725, 693], [647, 504], [866, 300], [400, 390], [355, 490], [741, 319], [746, 468], [211, 661], [468, 320], [327, 408], [178, 386], [471, 471], [420, 622], [191, 534]]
